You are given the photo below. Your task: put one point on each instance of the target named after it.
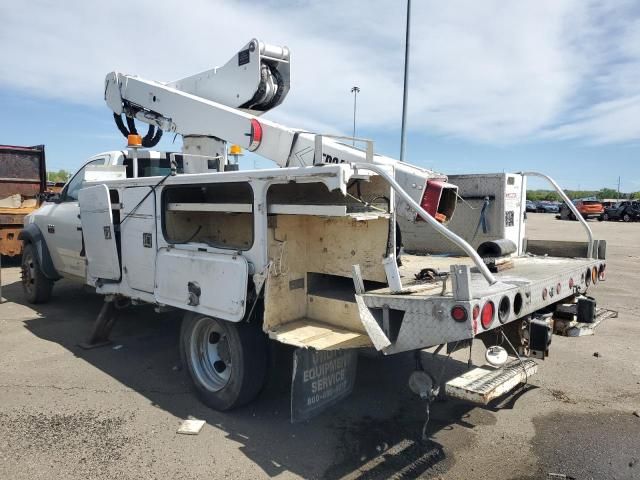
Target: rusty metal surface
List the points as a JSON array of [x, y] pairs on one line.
[[22, 170], [9, 243], [14, 218]]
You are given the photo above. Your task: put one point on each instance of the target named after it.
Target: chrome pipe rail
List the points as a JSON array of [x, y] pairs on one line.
[[570, 204], [441, 229]]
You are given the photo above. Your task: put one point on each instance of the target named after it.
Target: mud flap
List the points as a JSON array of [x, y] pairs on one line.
[[320, 379]]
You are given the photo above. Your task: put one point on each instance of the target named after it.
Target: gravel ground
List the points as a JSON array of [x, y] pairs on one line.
[[112, 413]]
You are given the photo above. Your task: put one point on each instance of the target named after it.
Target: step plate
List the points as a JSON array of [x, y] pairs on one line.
[[483, 384]]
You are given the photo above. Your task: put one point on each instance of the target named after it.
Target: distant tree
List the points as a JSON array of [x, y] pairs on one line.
[[59, 176], [635, 195], [552, 195], [607, 193]]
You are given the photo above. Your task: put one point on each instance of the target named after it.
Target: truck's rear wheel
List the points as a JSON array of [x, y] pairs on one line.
[[37, 288], [227, 361]]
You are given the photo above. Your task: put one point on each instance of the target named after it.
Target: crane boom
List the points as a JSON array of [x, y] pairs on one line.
[[224, 104]]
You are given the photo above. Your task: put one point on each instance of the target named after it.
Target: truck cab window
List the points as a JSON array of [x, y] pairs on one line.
[[70, 192]]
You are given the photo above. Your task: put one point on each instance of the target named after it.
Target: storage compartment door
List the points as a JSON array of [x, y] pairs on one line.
[[138, 233], [99, 236], [211, 283]]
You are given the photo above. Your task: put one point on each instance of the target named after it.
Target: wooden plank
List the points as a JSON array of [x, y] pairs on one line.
[[334, 312], [306, 333], [287, 248], [276, 208], [321, 210], [335, 244], [210, 207]]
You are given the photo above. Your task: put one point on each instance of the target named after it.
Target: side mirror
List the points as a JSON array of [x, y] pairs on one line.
[[51, 197]]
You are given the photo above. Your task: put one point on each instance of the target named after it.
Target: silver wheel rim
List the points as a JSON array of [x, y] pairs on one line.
[[210, 354], [28, 273]]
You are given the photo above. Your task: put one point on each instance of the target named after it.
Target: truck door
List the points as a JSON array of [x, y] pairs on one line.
[[137, 230], [99, 235], [60, 225]]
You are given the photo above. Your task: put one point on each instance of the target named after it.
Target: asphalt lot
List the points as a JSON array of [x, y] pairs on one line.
[[113, 413]]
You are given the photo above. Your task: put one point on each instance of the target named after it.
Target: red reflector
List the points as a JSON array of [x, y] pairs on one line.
[[475, 314], [255, 136], [571, 284], [488, 312], [458, 313]]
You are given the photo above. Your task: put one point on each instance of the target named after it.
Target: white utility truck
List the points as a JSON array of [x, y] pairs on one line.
[[307, 253]]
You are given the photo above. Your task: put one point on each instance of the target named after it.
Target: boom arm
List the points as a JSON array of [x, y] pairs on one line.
[[224, 102], [223, 105]]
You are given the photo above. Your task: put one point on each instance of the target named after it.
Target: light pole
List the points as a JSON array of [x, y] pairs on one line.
[[355, 90], [406, 82]]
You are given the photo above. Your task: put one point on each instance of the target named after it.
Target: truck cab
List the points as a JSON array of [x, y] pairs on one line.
[[55, 229]]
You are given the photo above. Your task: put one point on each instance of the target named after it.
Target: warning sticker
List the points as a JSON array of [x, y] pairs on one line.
[[320, 379]]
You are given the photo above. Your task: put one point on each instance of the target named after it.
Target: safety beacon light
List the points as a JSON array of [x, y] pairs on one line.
[[134, 141], [235, 150]]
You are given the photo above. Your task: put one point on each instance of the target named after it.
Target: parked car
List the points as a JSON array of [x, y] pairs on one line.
[[532, 206], [625, 211], [547, 207], [587, 208]]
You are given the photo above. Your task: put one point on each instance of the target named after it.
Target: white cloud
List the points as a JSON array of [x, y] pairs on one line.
[[493, 71], [606, 122]]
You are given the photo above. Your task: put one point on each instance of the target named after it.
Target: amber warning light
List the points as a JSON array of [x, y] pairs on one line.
[[134, 141]]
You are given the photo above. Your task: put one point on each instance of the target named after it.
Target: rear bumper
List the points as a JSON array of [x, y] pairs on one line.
[[591, 214], [420, 319]]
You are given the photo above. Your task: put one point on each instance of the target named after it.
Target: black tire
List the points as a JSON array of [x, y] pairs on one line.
[[240, 347], [37, 288], [626, 218], [605, 217]]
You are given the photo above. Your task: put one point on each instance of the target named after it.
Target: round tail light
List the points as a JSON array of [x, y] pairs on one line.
[[558, 288], [544, 293], [488, 312], [602, 272], [594, 275], [458, 313], [571, 284], [504, 309]]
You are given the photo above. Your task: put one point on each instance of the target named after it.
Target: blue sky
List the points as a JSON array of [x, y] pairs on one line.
[[551, 85]]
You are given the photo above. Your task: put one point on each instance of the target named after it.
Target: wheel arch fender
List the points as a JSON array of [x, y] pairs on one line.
[[32, 234]]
